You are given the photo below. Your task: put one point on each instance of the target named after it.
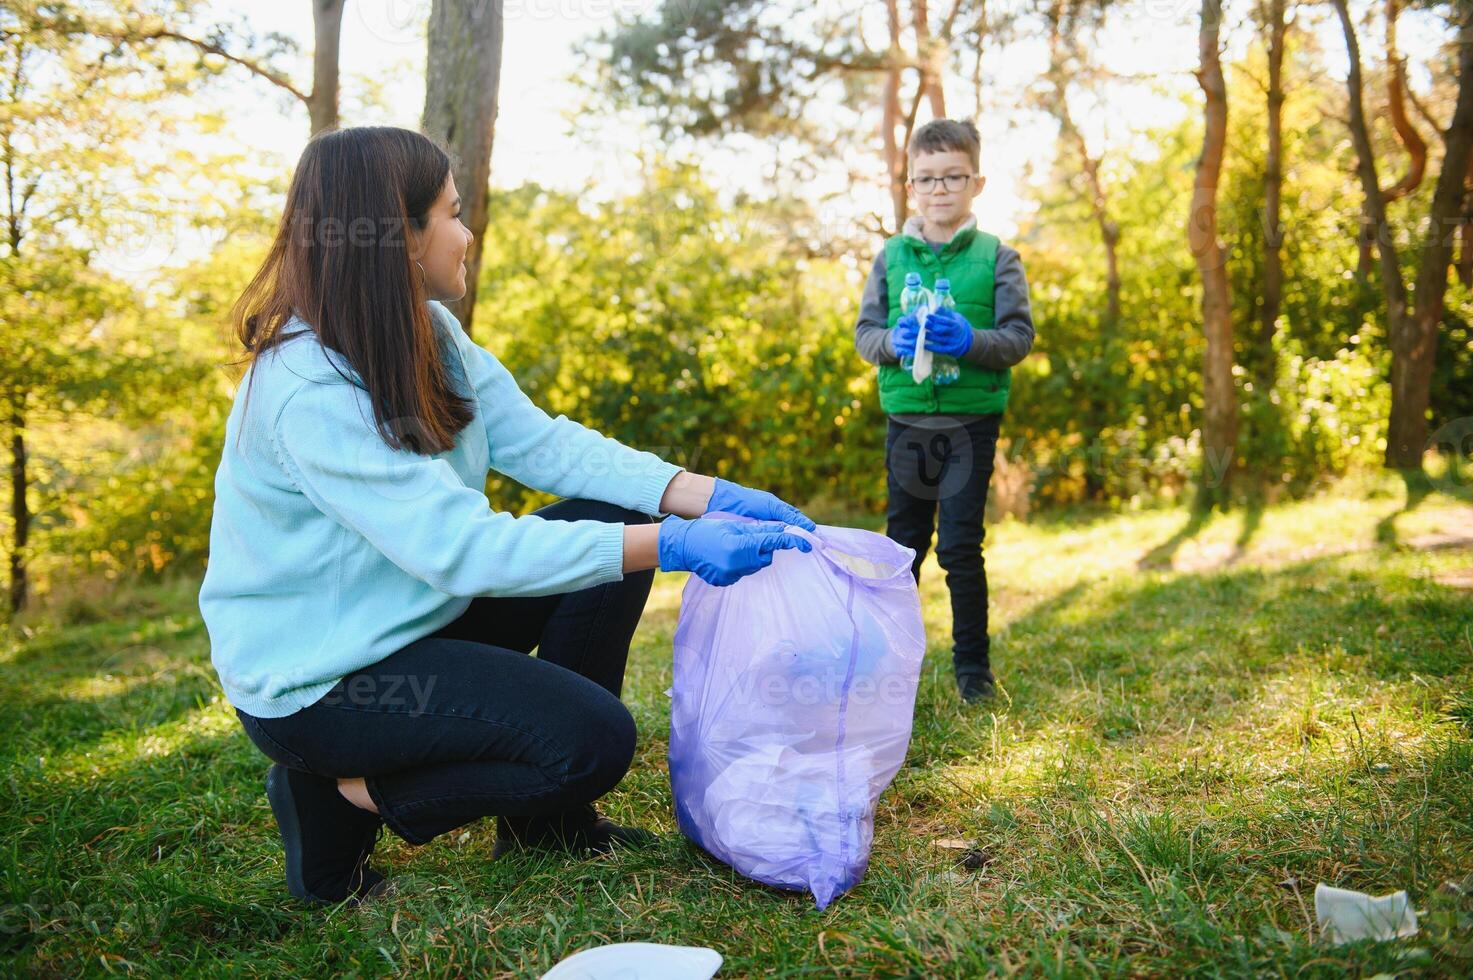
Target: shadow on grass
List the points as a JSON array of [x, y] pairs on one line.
[[1242, 620], [1252, 521], [91, 648], [1418, 487], [1160, 556], [1108, 791], [144, 686], [1172, 880], [1132, 655]]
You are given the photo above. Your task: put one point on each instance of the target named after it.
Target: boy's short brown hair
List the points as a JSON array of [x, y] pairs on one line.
[[941, 135]]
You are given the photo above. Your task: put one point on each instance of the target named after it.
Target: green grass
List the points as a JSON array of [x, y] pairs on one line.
[[1194, 712]]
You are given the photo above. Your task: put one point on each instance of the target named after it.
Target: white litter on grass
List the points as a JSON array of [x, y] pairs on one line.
[[1345, 916], [638, 961]]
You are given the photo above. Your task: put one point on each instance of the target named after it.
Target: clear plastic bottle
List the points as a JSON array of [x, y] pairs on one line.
[[946, 368], [912, 295], [915, 298]]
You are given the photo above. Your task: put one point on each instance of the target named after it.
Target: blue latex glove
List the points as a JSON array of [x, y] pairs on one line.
[[721, 552], [733, 498], [903, 335], [948, 332]]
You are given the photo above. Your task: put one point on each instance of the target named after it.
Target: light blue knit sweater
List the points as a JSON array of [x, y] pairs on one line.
[[329, 550]]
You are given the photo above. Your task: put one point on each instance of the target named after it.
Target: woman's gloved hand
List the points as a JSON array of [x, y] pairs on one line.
[[903, 335], [948, 332], [721, 552], [733, 498]]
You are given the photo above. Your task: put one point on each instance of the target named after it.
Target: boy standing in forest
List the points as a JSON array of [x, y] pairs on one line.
[[941, 437]]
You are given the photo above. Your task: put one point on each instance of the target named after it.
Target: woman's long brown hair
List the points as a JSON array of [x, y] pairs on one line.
[[341, 262]]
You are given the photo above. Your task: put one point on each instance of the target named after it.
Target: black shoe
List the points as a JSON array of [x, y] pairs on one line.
[[327, 839], [577, 831], [975, 684]]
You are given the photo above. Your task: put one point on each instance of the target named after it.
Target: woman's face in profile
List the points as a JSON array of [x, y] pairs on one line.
[[441, 247]]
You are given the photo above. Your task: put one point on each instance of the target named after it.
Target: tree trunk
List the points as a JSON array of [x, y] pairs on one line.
[[1398, 322], [981, 32], [461, 83], [1410, 139], [895, 164], [1371, 229], [1464, 263], [1273, 186], [1094, 411], [931, 58], [1365, 245], [1220, 406], [1099, 206], [322, 104], [20, 512], [1088, 165], [1412, 359]]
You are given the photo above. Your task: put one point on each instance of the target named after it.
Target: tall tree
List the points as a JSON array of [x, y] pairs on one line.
[[147, 23], [1065, 20], [461, 87], [1373, 205], [72, 118], [1219, 400], [893, 149], [1463, 233], [1396, 105], [1413, 327], [1069, 23], [709, 67], [327, 32], [1271, 296], [1406, 134]]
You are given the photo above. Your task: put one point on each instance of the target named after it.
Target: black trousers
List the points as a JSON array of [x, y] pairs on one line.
[[944, 464], [464, 724]]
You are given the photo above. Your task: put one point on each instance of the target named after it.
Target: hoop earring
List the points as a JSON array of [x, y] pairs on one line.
[[423, 281]]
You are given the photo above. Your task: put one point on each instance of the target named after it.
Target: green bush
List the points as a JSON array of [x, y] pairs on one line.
[[676, 325]]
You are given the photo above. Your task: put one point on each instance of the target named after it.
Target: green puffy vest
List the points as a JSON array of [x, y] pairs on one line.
[[969, 261]]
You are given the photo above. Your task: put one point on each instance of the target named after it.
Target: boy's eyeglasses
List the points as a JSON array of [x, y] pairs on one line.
[[952, 182]]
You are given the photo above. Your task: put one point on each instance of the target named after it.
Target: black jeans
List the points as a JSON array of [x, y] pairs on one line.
[[946, 461], [464, 724]]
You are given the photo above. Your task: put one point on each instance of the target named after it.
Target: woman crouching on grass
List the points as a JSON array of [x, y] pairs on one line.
[[370, 615]]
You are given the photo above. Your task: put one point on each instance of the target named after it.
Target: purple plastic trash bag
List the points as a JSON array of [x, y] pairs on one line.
[[792, 704]]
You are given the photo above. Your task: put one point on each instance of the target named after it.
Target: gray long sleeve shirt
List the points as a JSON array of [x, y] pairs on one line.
[[1005, 345]]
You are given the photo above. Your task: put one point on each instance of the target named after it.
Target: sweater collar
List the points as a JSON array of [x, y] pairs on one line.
[[915, 223]]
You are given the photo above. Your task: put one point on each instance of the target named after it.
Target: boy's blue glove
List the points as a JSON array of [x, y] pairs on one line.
[[733, 498], [721, 552], [903, 335], [948, 332]]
